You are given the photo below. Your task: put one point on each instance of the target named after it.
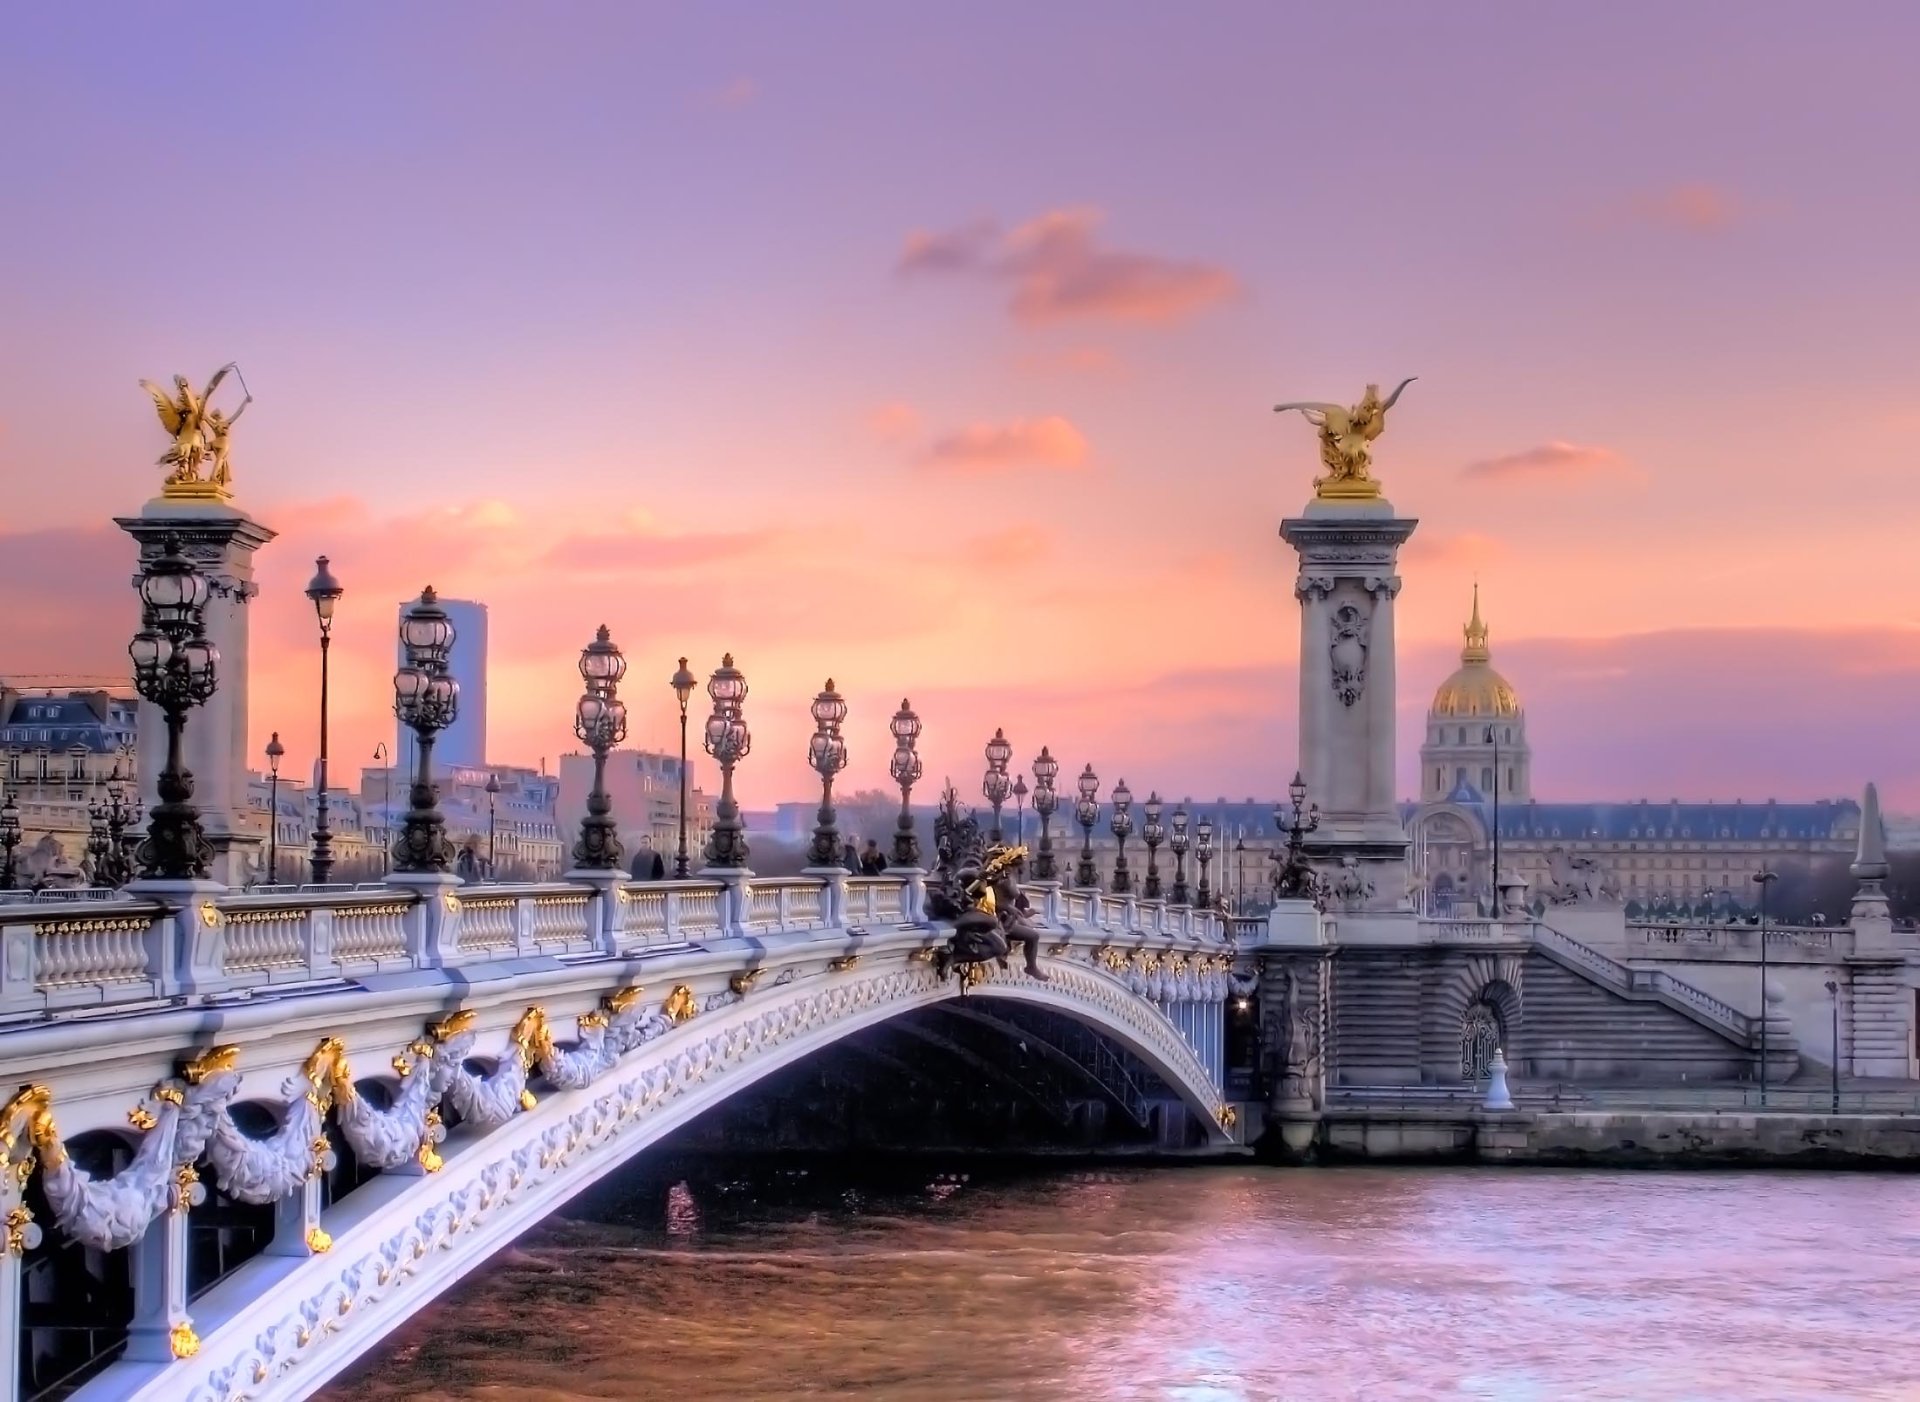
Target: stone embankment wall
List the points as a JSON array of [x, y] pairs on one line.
[[1621, 1138]]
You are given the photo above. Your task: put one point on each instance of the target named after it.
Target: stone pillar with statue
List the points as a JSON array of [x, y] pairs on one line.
[[1348, 540], [196, 505]]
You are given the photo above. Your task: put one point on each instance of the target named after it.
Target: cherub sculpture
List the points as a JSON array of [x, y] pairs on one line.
[[1344, 438]]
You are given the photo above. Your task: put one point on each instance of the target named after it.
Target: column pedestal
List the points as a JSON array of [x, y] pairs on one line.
[[220, 540]]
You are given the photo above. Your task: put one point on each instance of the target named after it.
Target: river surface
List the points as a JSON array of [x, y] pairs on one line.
[[1193, 1284]]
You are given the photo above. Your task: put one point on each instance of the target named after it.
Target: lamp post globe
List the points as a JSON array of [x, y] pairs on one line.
[[600, 722], [325, 592], [1086, 812], [1020, 792], [906, 768], [1153, 834], [1121, 823], [995, 785], [1177, 843], [426, 700], [493, 799], [827, 756], [176, 668], [729, 741]]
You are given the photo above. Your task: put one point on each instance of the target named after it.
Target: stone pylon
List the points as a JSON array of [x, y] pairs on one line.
[[1349, 551], [220, 540]]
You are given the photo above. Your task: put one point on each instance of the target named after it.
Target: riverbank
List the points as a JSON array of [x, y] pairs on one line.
[[1604, 1138]]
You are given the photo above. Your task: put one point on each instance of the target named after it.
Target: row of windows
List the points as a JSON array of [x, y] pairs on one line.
[[1479, 733]]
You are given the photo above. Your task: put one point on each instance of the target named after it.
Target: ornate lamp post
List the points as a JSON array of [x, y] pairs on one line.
[[729, 741], [1763, 879], [97, 840], [1153, 834], [1087, 812], [9, 839], [1295, 878], [1177, 844], [683, 682], [1203, 853], [996, 786], [600, 720], [1122, 824], [325, 591], [275, 753], [175, 667], [381, 758], [493, 799], [905, 768], [1020, 809], [1045, 770], [827, 755], [426, 699]]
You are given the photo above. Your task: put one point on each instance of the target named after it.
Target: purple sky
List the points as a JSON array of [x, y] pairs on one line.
[[856, 338]]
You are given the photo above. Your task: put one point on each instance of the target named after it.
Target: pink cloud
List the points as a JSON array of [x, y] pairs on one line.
[[641, 552], [1059, 271], [1696, 208], [894, 423], [1051, 442], [1016, 545], [1462, 548], [1097, 362], [1550, 462]]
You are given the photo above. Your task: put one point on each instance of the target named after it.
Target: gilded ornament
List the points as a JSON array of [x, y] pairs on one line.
[[531, 1037], [591, 1021], [22, 1235], [209, 1063], [210, 915], [972, 975], [1111, 959], [183, 1341], [185, 1180], [617, 1003], [452, 1025], [141, 1118], [1228, 1116], [201, 437], [31, 1110], [680, 1005], [172, 1095], [923, 955], [742, 983], [527, 1100], [427, 1157], [1059, 951], [1345, 439], [844, 963], [318, 1242], [451, 902]]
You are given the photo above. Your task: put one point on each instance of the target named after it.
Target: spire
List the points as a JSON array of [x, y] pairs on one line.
[[1870, 861], [1476, 631]]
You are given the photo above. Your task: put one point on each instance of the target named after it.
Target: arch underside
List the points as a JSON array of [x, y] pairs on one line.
[[399, 1241]]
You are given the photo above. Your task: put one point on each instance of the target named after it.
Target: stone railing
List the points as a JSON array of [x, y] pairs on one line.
[[1469, 931], [1651, 940], [128, 949], [1647, 983]]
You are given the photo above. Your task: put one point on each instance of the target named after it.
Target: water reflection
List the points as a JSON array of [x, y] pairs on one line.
[[1218, 1283]]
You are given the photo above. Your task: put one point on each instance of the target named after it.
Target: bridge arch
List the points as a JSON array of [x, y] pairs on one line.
[[279, 1328]]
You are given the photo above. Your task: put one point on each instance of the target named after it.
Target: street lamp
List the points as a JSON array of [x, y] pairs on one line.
[[1493, 739], [1203, 832], [1833, 992], [122, 815], [275, 752], [996, 786], [827, 756], [600, 721], [1294, 880], [1177, 844], [1045, 770], [97, 839], [175, 667], [1763, 879], [426, 699], [1020, 809], [385, 761], [325, 591], [1153, 835], [683, 682], [9, 838], [905, 768], [1087, 812], [493, 798], [1122, 824], [729, 741]]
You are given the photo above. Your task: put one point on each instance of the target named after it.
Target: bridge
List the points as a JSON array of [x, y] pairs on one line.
[[267, 1129]]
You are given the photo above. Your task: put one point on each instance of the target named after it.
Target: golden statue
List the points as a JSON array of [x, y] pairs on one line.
[[1344, 436], [200, 435]]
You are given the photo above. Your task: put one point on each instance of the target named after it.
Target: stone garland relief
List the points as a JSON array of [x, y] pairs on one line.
[[188, 1117], [1347, 652]]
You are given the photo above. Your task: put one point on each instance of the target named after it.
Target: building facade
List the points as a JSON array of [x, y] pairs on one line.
[[462, 745], [644, 787], [1475, 761]]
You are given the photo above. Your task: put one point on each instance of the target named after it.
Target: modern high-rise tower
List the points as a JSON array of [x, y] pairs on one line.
[[462, 745]]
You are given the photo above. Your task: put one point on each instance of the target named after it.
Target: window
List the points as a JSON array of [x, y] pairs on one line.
[[1486, 778], [1509, 776]]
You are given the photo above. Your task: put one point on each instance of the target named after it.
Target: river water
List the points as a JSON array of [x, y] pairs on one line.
[[1193, 1284]]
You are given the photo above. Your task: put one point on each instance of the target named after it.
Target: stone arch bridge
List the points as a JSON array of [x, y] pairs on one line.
[[397, 1085]]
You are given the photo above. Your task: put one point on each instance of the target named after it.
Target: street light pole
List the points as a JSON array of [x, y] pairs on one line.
[[906, 768], [996, 787], [1122, 825], [1493, 902], [275, 750], [1087, 812], [600, 722], [827, 756], [1020, 792], [1177, 844], [1153, 834], [1763, 878], [683, 682], [175, 666], [1046, 769], [426, 698], [493, 796], [1203, 853], [385, 760], [325, 591], [1833, 992]]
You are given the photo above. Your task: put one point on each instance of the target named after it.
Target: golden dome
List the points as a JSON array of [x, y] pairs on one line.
[[1475, 689]]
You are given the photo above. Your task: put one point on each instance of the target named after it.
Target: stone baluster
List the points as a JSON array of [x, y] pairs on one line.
[[161, 1329], [296, 1217]]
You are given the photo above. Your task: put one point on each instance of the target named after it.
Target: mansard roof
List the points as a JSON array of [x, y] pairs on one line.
[[1827, 820], [91, 719]]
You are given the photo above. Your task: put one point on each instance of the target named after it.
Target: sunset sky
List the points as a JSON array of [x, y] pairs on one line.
[[934, 347]]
